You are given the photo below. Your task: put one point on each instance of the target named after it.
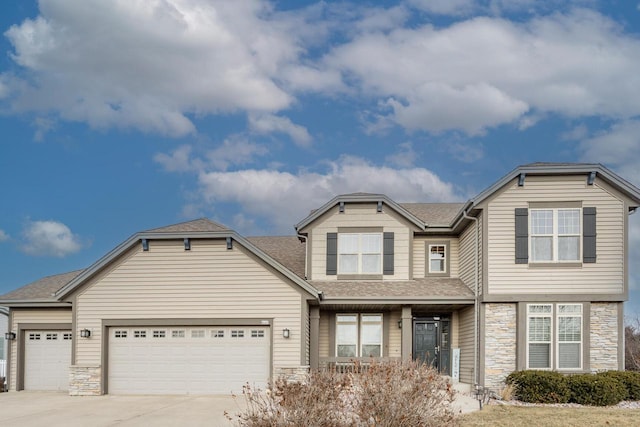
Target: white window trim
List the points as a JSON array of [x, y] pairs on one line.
[[444, 260], [540, 315], [359, 322], [580, 317], [554, 345], [554, 236], [359, 253]]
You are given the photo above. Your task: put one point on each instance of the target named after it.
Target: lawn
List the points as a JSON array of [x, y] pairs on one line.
[[550, 416]]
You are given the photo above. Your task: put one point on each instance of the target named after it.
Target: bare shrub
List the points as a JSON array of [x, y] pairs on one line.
[[378, 395], [508, 392], [632, 345]]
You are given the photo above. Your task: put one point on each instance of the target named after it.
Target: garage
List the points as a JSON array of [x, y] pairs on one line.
[[187, 360], [47, 359]]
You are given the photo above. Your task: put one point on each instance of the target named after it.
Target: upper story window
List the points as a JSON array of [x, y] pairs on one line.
[[555, 234], [437, 259], [360, 253]]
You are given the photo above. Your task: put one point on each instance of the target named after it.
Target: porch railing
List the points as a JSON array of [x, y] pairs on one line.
[[351, 364]]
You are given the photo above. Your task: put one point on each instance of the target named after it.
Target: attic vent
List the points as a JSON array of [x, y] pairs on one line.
[[380, 206], [229, 243], [592, 177], [187, 244], [521, 180], [145, 245], [341, 208]]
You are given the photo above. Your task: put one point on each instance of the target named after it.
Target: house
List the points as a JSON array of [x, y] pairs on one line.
[[530, 274], [4, 328]]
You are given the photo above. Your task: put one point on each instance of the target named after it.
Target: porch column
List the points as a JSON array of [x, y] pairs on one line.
[[314, 337], [407, 329]]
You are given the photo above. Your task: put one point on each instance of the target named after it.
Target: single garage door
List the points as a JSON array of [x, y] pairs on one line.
[[46, 360], [187, 360]]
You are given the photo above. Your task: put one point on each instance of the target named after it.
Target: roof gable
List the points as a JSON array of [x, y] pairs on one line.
[[42, 289]]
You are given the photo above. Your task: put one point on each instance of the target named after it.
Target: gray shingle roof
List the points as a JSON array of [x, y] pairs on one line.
[[41, 289], [197, 225], [287, 250], [418, 288], [434, 213]]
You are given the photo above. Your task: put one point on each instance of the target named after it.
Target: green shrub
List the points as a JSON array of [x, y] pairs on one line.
[[630, 379], [596, 390], [539, 386]]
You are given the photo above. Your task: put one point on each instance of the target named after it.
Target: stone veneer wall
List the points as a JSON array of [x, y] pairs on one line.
[[499, 343], [84, 380], [295, 374], [604, 336]]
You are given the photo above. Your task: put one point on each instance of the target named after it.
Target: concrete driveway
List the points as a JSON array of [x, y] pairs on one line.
[[31, 409]]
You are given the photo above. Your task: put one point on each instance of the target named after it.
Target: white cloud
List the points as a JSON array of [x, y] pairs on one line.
[[578, 133], [269, 123], [149, 65], [284, 198], [445, 7], [466, 153], [49, 238], [405, 157], [483, 72], [3, 236], [178, 161]]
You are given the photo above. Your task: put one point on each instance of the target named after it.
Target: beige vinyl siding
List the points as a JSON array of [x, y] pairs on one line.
[[466, 345], [420, 254], [307, 333], [467, 254], [395, 334], [360, 215], [206, 282], [604, 276], [323, 342], [42, 316]]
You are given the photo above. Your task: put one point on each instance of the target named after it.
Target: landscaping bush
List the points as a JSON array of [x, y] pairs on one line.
[[596, 390], [630, 379], [384, 395], [539, 386]]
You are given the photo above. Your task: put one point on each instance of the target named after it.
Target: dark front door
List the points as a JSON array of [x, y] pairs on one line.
[[425, 342]]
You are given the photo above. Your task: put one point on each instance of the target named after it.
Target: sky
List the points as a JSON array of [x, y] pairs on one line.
[[122, 116]]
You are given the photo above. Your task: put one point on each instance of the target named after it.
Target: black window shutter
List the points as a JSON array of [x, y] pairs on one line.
[[522, 235], [332, 254], [588, 235], [387, 263]]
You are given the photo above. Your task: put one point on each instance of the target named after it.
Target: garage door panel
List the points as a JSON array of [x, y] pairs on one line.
[[187, 360], [47, 360]]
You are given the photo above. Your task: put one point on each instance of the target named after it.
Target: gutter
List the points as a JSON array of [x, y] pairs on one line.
[[476, 335]]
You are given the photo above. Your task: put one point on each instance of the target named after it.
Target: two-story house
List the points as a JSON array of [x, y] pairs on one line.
[[530, 274]]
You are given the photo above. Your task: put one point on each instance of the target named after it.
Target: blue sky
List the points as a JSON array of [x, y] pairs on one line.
[[121, 116]]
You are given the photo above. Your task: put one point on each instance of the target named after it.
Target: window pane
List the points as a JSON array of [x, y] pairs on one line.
[[539, 356], [569, 248], [369, 350], [570, 308], [347, 318], [371, 243], [348, 264], [347, 334], [348, 243], [436, 266], [371, 318], [346, 350], [541, 308], [568, 221], [569, 329], [569, 356], [541, 221], [371, 333], [541, 248], [540, 329], [371, 263]]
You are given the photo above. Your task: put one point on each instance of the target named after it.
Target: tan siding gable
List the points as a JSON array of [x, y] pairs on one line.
[[604, 276], [360, 215], [208, 281], [468, 253]]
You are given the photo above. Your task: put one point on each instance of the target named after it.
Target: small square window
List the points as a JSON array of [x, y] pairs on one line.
[[217, 334], [237, 333], [257, 333], [177, 334], [67, 336], [120, 334], [197, 334], [140, 334], [52, 337], [34, 337], [159, 334]]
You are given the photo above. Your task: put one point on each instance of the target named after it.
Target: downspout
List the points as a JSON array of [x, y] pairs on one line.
[[476, 308]]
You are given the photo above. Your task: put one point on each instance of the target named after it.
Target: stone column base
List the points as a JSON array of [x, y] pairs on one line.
[[84, 380]]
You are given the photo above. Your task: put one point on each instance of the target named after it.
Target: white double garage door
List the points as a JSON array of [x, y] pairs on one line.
[[162, 360]]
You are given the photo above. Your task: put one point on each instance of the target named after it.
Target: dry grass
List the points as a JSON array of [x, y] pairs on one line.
[[548, 416]]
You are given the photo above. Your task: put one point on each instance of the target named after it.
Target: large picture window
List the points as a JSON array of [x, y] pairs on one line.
[[359, 335], [555, 235], [566, 354], [360, 253]]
